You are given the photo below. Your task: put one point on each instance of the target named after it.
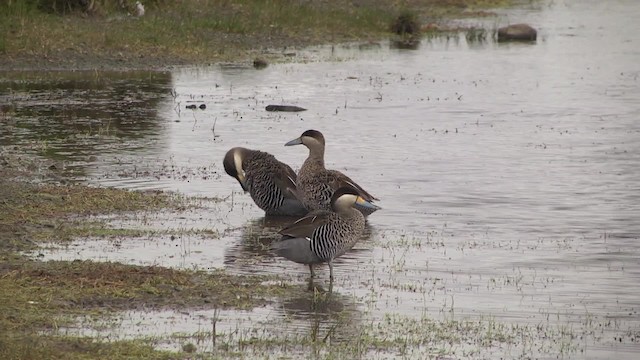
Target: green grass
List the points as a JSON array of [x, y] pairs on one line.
[[49, 212], [197, 31]]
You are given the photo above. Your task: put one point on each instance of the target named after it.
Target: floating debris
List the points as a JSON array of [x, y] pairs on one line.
[[287, 108], [194, 106]]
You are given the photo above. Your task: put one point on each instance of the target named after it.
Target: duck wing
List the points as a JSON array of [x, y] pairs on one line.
[[285, 180], [339, 180], [304, 227]]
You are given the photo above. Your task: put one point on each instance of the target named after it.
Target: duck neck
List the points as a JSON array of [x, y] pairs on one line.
[[316, 156], [350, 213]]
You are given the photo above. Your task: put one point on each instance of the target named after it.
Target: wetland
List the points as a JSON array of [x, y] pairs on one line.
[[508, 177]]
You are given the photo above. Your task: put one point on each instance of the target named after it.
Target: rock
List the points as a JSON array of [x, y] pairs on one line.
[[202, 106], [192, 106], [260, 63], [517, 32], [287, 108], [139, 9]]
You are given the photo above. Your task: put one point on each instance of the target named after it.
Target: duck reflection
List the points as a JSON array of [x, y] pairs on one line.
[[252, 251], [326, 317]]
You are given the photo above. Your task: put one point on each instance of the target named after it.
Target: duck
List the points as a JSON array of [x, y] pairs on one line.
[[270, 182], [316, 184], [324, 235]]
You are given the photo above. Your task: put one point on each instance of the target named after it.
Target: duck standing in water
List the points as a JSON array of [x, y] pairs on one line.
[[316, 184], [271, 183], [323, 235]]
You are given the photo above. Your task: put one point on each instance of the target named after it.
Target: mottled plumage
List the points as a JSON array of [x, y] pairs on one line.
[[316, 184], [271, 183], [323, 235]]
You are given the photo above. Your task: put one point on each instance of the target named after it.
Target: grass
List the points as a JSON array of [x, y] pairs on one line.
[[201, 31], [37, 297], [51, 347], [51, 212]]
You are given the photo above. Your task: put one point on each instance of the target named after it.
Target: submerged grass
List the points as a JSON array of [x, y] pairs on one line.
[[198, 31], [337, 336]]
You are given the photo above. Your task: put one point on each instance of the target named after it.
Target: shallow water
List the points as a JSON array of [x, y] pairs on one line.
[[509, 173]]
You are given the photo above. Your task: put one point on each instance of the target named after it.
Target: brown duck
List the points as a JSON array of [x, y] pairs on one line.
[[316, 184]]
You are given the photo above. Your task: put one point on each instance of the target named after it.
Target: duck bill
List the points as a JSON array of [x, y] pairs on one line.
[[243, 182], [297, 141], [362, 203]]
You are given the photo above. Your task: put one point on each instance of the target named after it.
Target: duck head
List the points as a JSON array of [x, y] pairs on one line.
[[346, 197], [233, 165], [312, 139]]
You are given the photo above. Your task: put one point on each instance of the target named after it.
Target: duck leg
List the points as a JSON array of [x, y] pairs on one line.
[[311, 277], [330, 276]]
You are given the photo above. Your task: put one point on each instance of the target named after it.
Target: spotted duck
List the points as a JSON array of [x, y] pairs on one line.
[[271, 183]]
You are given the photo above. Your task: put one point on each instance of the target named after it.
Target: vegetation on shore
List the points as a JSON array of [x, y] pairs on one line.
[[46, 34]]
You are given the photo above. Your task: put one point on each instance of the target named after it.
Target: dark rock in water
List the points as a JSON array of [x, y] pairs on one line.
[[260, 63], [192, 106], [202, 106], [288, 108], [406, 24], [517, 32]]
